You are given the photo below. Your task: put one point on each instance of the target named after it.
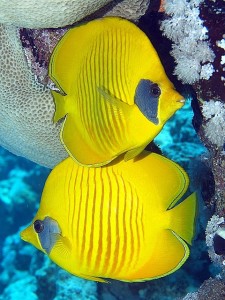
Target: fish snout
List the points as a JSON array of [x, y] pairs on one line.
[[178, 99], [26, 234], [181, 100]]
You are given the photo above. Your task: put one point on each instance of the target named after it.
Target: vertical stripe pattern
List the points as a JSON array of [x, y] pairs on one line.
[[105, 67], [104, 221]]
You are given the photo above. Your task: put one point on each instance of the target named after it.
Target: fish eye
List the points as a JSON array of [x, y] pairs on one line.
[[155, 90], [38, 226]]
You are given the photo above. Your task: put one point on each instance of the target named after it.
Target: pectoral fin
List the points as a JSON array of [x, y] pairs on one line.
[[112, 100], [62, 246]]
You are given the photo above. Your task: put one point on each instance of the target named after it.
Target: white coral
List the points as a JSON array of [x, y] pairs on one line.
[[191, 50], [206, 71], [214, 112]]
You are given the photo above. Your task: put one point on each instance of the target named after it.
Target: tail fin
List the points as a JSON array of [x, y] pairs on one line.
[[183, 218]]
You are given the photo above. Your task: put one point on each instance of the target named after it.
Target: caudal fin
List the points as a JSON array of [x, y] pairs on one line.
[[183, 218]]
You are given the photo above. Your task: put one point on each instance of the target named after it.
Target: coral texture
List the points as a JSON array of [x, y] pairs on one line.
[[26, 107], [213, 225], [214, 113], [196, 29], [45, 14], [131, 10], [212, 289], [190, 47]]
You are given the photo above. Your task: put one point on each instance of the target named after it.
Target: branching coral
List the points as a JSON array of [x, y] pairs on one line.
[[214, 113], [190, 47]]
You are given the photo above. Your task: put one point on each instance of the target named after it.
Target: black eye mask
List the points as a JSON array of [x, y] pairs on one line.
[[147, 99], [47, 231]]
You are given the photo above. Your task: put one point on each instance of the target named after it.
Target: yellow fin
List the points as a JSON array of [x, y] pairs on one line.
[[112, 99], [62, 246], [133, 152], [183, 218], [170, 253], [173, 179], [59, 106]]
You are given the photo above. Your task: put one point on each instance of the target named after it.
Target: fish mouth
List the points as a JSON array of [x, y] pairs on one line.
[[25, 234], [181, 101]]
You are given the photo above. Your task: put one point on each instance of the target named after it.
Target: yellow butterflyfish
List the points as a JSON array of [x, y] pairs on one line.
[[121, 221], [114, 94]]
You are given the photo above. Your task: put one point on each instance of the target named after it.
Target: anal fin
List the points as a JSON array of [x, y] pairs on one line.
[[93, 278]]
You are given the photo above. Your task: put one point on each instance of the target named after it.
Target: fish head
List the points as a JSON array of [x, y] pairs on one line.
[[42, 234], [49, 231], [28, 235], [154, 93], [46, 236], [157, 101], [170, 101]]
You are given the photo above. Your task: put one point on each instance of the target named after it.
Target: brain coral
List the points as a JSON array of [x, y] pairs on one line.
[[46, 13], [131, 10], [26, 107]]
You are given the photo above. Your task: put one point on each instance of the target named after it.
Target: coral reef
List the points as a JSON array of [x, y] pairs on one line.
[[196, 29], [54, 14], [212, 289], [26, 106], [185, 28], [45, 14], [214, 129], [213, 225], [131, 10], [28, 275]]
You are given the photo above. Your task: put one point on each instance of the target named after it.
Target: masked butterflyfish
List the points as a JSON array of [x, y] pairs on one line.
[[121, 221], [114, 93]]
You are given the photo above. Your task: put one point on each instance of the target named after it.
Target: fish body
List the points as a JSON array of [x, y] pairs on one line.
[[120, 221], [114, 95]]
